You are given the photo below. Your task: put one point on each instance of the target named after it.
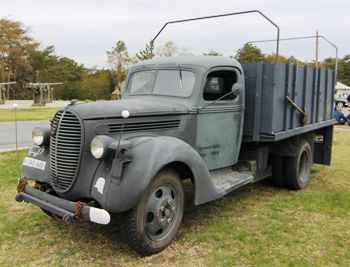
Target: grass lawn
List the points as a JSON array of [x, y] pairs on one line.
[[256, 225], [26, 114]]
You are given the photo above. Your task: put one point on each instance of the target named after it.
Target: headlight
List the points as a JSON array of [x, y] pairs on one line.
[[41, 136], [99, 146]]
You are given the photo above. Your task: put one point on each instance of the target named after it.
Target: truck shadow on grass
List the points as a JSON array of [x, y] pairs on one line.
[[203, 225], [196, 218]]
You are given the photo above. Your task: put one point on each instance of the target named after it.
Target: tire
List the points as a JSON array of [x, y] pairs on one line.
[[277, 164], [298, 168], [340, 104], [152, 224]]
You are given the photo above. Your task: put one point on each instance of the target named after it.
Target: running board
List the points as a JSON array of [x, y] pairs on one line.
[[226, 180]]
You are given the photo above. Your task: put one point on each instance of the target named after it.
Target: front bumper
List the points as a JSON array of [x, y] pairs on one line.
[[69, 211]]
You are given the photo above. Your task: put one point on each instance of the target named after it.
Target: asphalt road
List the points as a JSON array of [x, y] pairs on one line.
[[28, 104], [24, 133]]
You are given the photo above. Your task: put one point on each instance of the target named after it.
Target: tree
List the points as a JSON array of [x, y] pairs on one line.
[[23, 61], [41, 61], [69, 72], [15, 45], [294, 60], [344, 70], [147, 53], [118, 54], [167, 50], [272, 58], [119, 58], [249, 53], [328, 63], [97, 84], [212, 53]]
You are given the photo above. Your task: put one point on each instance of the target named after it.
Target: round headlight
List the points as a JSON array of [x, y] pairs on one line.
[[40, 136], [99, 146]]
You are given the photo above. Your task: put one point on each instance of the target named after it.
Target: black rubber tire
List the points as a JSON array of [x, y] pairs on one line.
[[277, 164], [340, 104], [298, 168], [133, 225]]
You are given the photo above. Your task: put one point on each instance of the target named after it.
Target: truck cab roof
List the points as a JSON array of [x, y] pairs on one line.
[[206, 62]]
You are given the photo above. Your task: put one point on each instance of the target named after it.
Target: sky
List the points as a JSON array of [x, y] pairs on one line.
[[85, 29]]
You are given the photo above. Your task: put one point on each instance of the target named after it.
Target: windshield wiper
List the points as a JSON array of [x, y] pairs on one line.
[[180, 73]]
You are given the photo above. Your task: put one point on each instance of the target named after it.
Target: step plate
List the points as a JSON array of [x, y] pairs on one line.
[[227, 180]]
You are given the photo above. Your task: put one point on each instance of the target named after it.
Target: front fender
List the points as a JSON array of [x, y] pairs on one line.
[[149, 156]]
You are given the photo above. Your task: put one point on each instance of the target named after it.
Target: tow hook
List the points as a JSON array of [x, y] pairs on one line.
[[78, 209], [22, 182]]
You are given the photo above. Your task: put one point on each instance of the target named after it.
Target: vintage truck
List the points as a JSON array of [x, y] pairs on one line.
[[212, 120], [208, 119]]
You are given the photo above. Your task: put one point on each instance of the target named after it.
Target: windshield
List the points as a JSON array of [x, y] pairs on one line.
[[162, 82]]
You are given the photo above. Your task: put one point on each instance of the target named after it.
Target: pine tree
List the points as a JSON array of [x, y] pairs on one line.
[[147, 53]]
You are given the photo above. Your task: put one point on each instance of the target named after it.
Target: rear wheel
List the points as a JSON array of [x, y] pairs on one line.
[[340, 104], [298, 168], [152, 224]]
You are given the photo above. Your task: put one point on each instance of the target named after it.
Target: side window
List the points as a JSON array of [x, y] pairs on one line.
[[219, 83]]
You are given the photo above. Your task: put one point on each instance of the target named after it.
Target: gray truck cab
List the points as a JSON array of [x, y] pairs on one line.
[[204, 84], [180, 118]]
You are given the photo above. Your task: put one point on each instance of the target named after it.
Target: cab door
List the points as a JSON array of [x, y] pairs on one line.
[[220, 122]]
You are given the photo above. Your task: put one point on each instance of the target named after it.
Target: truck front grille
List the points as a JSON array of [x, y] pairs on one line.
[[65, 149]]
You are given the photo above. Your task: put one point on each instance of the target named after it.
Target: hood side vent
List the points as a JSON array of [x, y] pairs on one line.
[[143, 126]]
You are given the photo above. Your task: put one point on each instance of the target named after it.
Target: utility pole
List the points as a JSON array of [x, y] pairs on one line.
[[316, 57]]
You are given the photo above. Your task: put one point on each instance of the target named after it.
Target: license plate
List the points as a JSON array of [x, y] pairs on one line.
[[34, 163]]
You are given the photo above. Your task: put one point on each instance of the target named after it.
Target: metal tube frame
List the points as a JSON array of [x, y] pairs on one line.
[[225, 15], [305, 37]]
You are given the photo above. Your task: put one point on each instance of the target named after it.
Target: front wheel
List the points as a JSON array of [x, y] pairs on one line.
[[152, 224]]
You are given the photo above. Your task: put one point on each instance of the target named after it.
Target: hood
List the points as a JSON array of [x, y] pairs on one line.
[[136, 107]]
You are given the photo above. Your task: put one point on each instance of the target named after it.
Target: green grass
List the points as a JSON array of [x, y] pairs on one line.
[[256, 225], [26, 114]]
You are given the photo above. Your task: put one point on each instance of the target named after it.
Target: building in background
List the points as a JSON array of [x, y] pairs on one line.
[[341, 90]]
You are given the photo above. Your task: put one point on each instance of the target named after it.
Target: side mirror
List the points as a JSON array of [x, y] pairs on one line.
[[237, 88]]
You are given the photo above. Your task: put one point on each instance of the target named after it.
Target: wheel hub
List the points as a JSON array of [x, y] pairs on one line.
[[304, 167], [166, 212], [161, 211]]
